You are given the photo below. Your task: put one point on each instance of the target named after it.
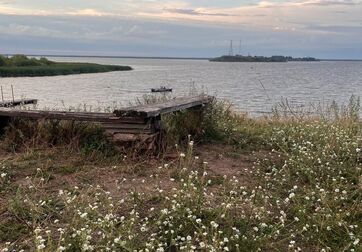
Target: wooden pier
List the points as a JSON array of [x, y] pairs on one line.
[[18, 102], [143, 119], [158, 109]]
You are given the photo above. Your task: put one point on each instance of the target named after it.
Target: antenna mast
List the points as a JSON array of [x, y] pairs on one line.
[[231, 49], [240, 48]]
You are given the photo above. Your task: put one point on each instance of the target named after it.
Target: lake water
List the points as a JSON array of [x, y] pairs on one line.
[[252, 87]]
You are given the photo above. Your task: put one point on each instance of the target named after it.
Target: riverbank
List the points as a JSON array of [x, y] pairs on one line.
[[22, 66], [279, 183]]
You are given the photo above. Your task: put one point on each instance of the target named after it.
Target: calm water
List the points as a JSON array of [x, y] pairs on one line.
[[252, 87]]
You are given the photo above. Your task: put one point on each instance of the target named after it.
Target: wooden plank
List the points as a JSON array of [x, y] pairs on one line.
[[129, 131], [125, 126], [18, 102], [154, 110], [64, 115], [143, 119]]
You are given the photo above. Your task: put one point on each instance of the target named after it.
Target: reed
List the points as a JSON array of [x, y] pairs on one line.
[[22, 66]]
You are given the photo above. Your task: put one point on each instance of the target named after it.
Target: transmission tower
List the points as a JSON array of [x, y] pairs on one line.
[[240, 47], [231, 49]]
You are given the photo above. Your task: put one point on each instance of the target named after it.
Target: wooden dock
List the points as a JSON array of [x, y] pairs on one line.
[[143, 119], [18, 102], [158, 109]]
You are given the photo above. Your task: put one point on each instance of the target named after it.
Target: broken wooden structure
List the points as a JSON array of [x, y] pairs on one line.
[[127, 124], [17, 102]]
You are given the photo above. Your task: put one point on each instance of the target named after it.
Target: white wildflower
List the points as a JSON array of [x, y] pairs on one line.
[[83, 215]]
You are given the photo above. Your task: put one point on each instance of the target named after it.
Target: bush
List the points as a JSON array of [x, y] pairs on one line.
[[21, 60], [221, 124], [3, 61]]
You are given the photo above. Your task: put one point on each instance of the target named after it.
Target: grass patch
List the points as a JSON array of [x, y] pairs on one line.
[[223, 125], [86, 138], [12, 230]]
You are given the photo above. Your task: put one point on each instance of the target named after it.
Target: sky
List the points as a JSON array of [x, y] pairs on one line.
[[327, 29]]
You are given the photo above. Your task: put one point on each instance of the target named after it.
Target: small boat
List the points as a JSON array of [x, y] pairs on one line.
[[161, 89]]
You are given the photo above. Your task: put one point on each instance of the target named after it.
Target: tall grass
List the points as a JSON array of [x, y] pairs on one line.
[[22, 134], [305, 194], [58, 69], [20, 66], [320, 110]]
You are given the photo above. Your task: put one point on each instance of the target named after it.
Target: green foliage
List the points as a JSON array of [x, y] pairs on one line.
[[330, 112], [58, 69], [318, 184], [221, 124], [85, 137], [20, 66], [3, 61], [45, 61], [11, 230], [23, 61], [179, 126]]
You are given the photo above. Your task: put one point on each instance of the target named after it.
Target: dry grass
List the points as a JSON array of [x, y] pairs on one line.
[[270, 184]]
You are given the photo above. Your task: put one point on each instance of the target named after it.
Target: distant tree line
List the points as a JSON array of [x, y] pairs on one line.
[[21, 60], [241, 58], [23, 66]]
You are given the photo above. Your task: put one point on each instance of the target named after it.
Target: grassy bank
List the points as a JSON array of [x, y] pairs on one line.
[[279, 183], [21, 66]]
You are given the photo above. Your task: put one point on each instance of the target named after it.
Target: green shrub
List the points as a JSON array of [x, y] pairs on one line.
[[222, 124], [3, 61], [20, 60]]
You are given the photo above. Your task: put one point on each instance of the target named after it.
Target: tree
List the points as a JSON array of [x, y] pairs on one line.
[[22, 60]]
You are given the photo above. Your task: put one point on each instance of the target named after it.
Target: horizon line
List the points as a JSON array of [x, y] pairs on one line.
[[146, 57]]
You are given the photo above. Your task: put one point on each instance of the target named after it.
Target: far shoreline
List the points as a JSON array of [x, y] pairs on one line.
[[22, 66], [151, 57]]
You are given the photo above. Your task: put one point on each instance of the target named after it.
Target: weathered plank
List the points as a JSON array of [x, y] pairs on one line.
[[129, 131], [64, 115], [125, 126], [154, 110], [143, 119], [18, 102]]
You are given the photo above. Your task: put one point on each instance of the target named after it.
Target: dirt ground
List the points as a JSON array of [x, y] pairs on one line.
[[65, 170]]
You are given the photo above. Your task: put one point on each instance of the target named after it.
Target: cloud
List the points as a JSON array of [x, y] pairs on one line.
[[29, 30], [108, 35], [336, 29], [321, 3], [330, 2], [186, 25], [193, 12], [88, 12]]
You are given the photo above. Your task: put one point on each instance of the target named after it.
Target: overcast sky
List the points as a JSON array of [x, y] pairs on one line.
[[184, 28]]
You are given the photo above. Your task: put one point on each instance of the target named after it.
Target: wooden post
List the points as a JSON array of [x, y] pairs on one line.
[[12, 92], [2, 94]]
